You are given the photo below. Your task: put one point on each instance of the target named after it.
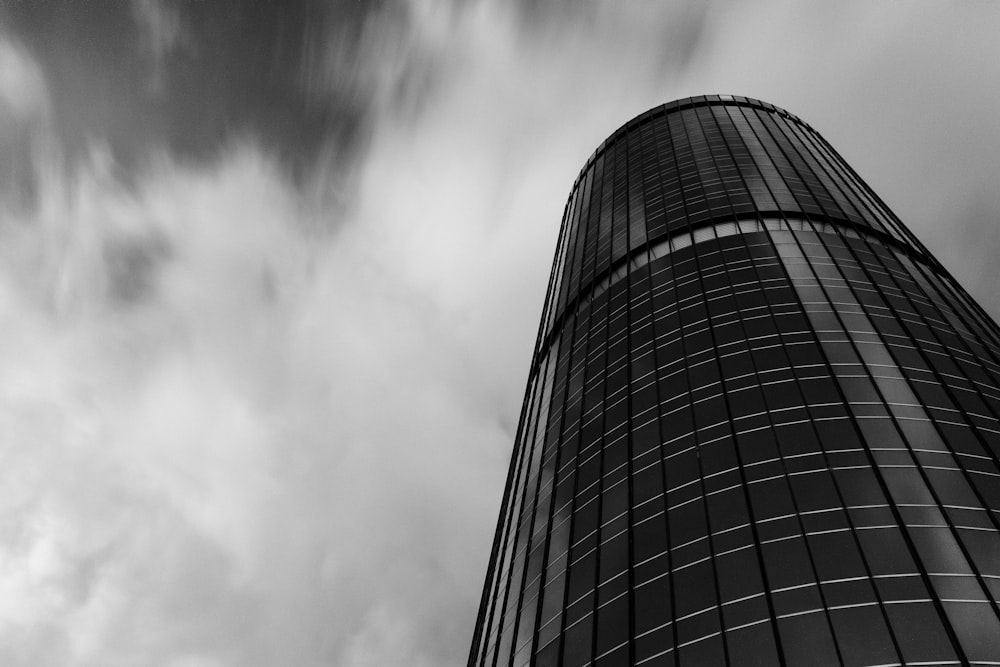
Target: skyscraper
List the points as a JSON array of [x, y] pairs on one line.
[[761, 422]]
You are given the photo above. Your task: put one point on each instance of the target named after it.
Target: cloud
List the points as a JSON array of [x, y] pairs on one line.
[[162, 32], [244, 433], [22, 86], [229, 463], [25, 109]]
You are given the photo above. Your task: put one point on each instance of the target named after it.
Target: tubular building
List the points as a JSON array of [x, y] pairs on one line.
[[761, 422]]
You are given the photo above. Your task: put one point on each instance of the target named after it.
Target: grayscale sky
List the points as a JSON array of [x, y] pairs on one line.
[[270, 274]]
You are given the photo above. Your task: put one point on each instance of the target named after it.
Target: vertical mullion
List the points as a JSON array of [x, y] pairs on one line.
[[659, 427], [697, 435], [586, 223], [630, 176], [609, 201]]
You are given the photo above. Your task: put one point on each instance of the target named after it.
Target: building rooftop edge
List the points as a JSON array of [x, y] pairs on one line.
[[680, 105]]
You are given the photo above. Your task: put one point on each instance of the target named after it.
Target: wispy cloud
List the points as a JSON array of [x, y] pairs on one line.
[[163, 31], [241, 434]]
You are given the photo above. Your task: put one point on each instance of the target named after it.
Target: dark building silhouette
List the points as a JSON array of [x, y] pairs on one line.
[[761, 423]]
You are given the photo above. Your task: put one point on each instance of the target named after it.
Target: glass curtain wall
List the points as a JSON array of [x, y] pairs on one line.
[[761, 423]]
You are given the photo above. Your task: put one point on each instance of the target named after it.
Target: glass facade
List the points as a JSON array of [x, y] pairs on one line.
[[761, 423]]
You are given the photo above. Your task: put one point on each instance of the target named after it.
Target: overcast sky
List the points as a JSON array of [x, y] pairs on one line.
[[270, 278]]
